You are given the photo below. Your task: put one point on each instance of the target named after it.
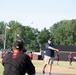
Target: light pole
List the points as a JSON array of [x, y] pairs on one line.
[[5, 38], [6, 27]]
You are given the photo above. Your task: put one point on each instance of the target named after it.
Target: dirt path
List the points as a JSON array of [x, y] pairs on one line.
[[62, 68], [58, 70]]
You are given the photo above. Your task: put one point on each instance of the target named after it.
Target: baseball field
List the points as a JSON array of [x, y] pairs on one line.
[[62, 69]]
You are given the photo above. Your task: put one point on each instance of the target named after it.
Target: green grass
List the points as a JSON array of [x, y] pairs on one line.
[[1, 68], [70, 74], [39, 64], [66, 64], [63, 64]]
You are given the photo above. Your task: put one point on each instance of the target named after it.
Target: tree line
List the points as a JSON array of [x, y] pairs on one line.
[[63, 33]]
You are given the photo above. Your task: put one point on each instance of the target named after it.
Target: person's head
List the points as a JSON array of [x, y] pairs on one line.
[[30, 51], [50, 40], [19, 45]]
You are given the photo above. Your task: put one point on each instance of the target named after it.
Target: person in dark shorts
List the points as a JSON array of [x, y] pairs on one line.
[[57, 58], [49, 55], [16, 62], [70, 56]]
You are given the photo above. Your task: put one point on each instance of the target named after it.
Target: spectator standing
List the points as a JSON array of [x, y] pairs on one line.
[[57, 58], [70, 56], [30, 55]]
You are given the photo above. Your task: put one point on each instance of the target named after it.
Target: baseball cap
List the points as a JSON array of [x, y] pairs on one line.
[[19, 44]]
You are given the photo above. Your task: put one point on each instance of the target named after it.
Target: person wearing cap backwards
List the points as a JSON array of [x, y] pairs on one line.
[[16, 62], [49, 55]]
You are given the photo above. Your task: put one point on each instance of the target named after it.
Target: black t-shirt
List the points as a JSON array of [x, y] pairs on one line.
[[17, 66]]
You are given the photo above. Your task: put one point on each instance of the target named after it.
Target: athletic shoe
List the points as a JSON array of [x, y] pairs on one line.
[[49, 73], [43, 72]]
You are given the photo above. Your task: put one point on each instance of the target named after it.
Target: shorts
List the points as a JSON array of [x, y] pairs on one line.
[[48, 59], [70, 60], [57, 59]]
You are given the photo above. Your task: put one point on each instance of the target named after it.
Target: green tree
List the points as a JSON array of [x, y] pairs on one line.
[[2, 26], [64, 32], [43, 36]]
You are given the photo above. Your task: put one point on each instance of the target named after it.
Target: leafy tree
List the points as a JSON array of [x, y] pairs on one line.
[[43, 36], [64, 32], [2, 26]]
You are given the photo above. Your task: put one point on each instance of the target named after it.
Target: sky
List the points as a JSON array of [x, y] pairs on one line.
[[37, 13]]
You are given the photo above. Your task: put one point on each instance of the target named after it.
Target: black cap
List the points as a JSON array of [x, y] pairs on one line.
[[19, 44], [50, 39]]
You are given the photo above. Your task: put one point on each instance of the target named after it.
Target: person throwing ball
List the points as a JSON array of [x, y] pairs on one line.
[[49, 55]]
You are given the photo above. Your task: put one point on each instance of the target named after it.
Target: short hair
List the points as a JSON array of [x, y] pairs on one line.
[[50, 39]]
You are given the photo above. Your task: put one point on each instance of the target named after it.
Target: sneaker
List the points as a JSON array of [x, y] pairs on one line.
[[49, 73], [43, 72]]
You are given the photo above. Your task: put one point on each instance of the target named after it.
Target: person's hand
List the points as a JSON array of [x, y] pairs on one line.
[[57, 50]]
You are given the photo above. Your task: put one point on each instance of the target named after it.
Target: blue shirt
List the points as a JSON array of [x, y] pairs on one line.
[[49, 52]]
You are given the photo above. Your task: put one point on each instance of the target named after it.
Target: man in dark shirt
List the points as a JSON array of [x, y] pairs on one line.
[[49, 55], [16, 62]]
